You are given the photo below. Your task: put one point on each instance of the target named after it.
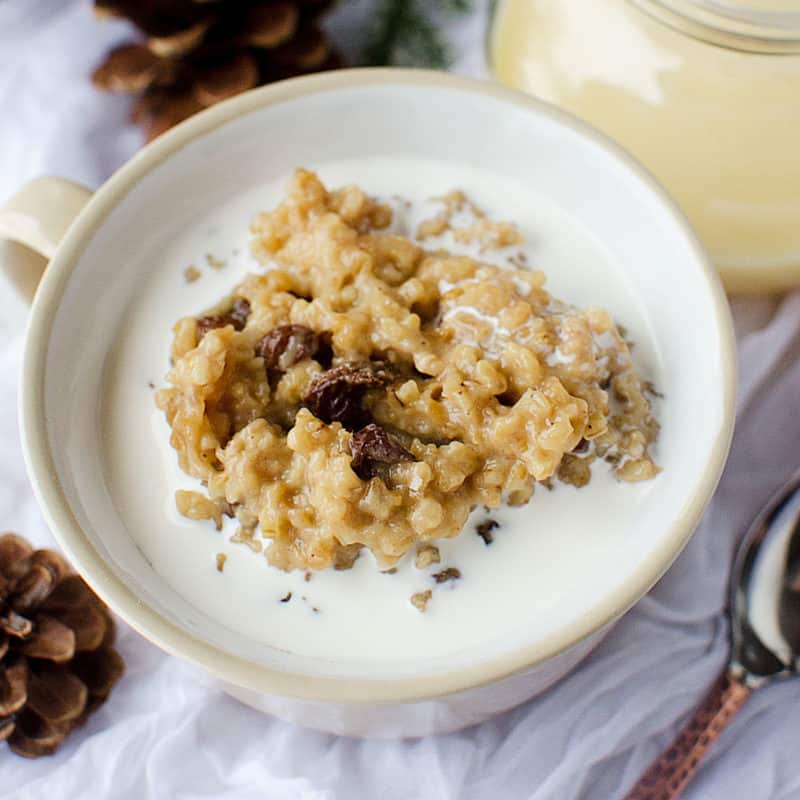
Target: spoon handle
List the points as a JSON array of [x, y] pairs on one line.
[[668, 775]]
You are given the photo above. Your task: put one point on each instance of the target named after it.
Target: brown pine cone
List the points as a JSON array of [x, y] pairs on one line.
[[194, 53], [57, 659]]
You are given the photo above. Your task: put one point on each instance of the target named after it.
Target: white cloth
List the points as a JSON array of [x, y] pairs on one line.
[[169, 732]]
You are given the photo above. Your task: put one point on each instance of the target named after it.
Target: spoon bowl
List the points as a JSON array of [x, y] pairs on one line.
[[764, 614], [765, 592]]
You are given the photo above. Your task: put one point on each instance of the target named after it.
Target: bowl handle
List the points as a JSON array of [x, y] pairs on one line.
[[32, 224]]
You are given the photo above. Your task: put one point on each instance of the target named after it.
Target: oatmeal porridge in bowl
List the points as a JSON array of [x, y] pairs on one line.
[[383, 428], [369, 390]]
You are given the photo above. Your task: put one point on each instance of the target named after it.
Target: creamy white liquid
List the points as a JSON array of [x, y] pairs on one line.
[[526, 578]]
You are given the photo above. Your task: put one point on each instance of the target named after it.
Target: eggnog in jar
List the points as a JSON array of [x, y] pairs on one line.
[[705, 94]]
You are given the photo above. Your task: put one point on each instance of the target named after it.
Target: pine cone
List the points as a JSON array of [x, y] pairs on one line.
[[57, 660], [195, 53]]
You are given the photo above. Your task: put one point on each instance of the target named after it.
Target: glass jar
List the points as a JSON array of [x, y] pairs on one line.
[[706, 93]]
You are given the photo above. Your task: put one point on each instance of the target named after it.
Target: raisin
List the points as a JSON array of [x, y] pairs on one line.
[[324, 354], [335, 395], [449, 574], [508, 399], [374, 451], [239, 314], [485, 529], [206, 324], [237, 317], [287, 345]]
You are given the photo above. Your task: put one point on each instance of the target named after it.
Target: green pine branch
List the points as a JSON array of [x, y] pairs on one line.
[[456, 6], [407, 33]]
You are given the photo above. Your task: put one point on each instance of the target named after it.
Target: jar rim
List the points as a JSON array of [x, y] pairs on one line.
[[759, 26]]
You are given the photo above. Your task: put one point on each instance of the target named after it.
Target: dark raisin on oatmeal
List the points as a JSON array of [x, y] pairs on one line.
[[485, 528], [287, 345], [324, 354], [335, 395], [581, 447], [239, 313], [237, 317], [507, 399], [448, 574], [374, 450]]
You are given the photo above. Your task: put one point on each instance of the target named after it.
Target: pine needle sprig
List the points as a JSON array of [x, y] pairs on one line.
[[456, 6], [407, 33]]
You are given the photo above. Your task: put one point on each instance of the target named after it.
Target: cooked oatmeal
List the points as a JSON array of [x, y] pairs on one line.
[[420, 600], [365, 391], [468, 224], [426, 555], [192, 274], [214, 262]]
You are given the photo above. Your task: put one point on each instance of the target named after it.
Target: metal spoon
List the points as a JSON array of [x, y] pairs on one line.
[[765, 640]]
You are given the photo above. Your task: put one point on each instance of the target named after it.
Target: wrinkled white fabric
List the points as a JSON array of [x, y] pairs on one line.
[[169, 732]]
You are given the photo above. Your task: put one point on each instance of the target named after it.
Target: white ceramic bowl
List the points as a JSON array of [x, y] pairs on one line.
[[358, 114]]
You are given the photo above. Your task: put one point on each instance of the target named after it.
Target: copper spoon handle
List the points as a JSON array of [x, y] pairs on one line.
[[668, 775]]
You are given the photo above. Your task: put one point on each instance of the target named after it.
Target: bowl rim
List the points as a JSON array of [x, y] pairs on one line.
[[236, 669]]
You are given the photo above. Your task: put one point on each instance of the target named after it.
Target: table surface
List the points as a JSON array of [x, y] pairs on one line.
[[168, 730]]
